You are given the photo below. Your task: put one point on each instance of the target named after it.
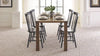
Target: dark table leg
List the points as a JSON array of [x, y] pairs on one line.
[[65, 36], [37, 36]]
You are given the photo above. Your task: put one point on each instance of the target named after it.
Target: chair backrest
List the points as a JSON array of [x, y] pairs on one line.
[[29, 21], [32, 12], [69, 17], [74, 21], [34, 18]]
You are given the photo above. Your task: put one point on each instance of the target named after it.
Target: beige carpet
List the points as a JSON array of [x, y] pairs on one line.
[[13, 42]]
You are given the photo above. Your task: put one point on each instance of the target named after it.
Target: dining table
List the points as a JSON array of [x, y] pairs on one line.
[[51, 20]]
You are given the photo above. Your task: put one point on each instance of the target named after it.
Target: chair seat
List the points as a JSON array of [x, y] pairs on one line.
[[62, 25], [33, 30], [69, 30], [40, 25]]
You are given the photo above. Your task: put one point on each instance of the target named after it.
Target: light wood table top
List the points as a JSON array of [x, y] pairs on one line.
[[51, 21]]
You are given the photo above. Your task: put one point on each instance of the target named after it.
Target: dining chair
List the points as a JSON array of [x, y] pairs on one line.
[[32, 30], [68, 23], [34, 21], [71, 30]]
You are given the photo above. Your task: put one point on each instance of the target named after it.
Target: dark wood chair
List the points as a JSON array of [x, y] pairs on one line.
[[34, 20], [68, 23], [71, 30], [32, 30]]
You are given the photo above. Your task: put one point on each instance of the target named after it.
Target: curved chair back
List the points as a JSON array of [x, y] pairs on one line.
[[29, 21], [69, 17], [32, 12], [74, 21]]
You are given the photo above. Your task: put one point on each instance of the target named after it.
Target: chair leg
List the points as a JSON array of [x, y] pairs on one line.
[[62, 40], [45, 31], [59, 36], [28, 44], [58, 32], [43, 37], [41, 41], [33, 36], [70, 35], [29, 40], [45, 34], [74, 40]]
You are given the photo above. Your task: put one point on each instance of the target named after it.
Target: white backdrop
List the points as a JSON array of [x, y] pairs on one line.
[[34, 4]]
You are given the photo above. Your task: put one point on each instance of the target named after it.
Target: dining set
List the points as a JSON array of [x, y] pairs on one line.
[[37, 30]]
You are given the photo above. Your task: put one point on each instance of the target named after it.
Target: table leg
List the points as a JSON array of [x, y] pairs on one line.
[[65, 36], [37, 36]]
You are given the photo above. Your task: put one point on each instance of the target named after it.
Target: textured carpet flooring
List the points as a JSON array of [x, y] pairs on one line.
[[13, 43]]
